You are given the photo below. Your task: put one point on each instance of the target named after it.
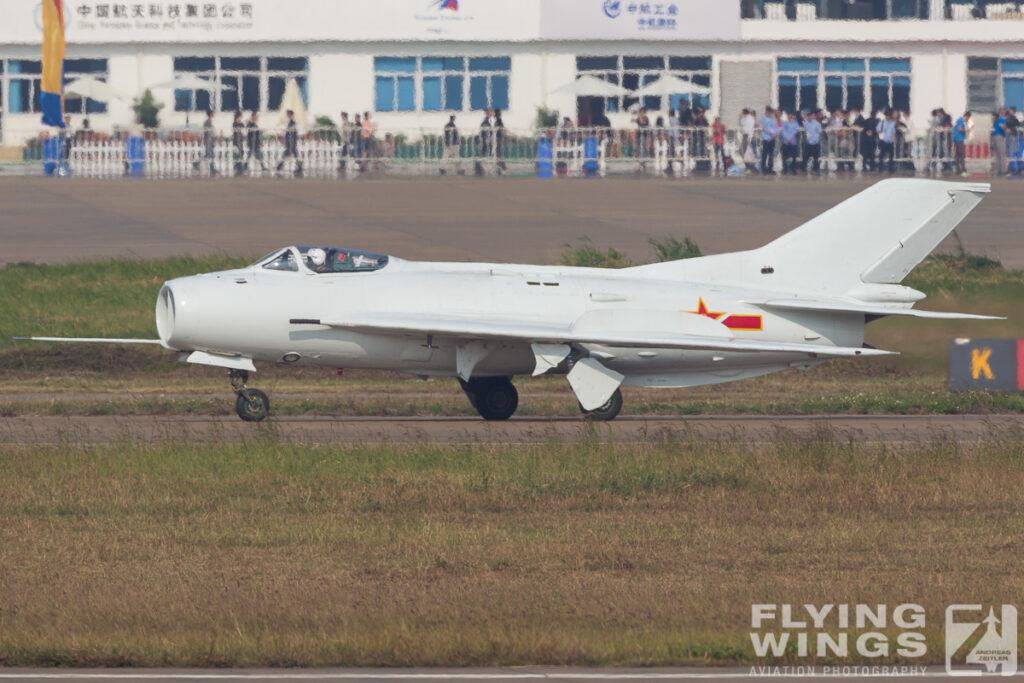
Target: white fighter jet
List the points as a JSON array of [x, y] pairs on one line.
[[794, 303]]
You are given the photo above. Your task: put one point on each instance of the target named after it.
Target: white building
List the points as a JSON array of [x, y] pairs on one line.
[[411, 62]]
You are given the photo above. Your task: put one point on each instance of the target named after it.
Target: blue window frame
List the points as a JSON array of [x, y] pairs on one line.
[[249, 83], [1013, 93], [633, 71], [878, 83], [882, 65], [24, 85], [441, 83], [798, 64], [844, 65]]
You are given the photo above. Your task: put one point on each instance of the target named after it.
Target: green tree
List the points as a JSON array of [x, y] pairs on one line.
[[547, 118], [147, 110]]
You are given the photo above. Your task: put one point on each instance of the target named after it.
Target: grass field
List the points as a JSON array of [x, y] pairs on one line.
[[267, 553]]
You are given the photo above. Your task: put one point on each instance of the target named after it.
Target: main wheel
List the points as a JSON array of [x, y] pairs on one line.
[[255, 408], [495, 398], [608, 411]]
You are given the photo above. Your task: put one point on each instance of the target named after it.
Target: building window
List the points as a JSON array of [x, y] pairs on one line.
[[983, 9], [844, 84], [24, 77], [848, 83], [633, 72], [982, 83], [395, 83], [78, 68], [798, 84], [441, 83], [22, 83], [836, 9], [240, 83], [890, 84], [1013, 83], [993, 82]]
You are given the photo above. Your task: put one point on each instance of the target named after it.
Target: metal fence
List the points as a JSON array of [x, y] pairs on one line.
[[677, 152]]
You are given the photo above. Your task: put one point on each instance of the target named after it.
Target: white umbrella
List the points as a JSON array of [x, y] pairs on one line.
[[591, 86], [190, 82], [292, 99], [672, 85], [94, 89]]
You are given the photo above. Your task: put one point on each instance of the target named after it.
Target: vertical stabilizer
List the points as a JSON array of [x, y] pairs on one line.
[[875, 237]]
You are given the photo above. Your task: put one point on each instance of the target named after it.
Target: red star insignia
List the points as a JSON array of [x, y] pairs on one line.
[[703, 310]]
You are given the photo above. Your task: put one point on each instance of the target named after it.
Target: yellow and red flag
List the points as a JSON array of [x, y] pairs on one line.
[[51, 97]]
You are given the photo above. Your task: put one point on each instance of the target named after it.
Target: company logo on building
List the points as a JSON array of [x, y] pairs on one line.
[[37, 17], [977, 644], [442, 5], [612, 8]]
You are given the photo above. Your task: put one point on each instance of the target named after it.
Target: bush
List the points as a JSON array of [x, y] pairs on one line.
[[589, 256], [671, 249], [326, 129]]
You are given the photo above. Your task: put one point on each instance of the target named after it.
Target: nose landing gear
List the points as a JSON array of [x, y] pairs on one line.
[[252, 405], [607, 412]]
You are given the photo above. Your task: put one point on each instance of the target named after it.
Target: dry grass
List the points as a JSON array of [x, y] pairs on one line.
[[147, 384], [568, 553]]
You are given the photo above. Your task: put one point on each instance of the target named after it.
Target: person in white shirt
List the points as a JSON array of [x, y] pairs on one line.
[[747, 124]]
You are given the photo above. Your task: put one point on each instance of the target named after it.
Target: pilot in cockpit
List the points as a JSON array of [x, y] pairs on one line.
[[317, 260]]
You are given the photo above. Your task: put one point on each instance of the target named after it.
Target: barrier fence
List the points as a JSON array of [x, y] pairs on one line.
[[678, 152]]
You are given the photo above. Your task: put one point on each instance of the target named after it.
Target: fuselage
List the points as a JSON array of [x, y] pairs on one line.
[[249, 312]]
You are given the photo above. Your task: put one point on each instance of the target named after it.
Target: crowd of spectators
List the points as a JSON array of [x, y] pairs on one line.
[[787, 142], [768, 142]]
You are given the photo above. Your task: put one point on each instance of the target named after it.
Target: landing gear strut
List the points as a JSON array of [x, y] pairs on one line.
[[252, 405], [495, 398], [606, 412]]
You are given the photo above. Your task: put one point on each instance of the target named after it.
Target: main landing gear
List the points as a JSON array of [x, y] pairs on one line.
[[606, 412], [495, 398], [252, 405]]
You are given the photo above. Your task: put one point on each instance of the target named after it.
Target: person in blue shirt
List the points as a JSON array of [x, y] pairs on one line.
[[790, 136], [769, 132], [998, 142], [960, 143], [812, 141], [886, 129]]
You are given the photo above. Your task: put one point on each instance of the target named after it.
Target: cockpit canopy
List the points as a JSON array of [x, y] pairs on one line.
[[319, 259]]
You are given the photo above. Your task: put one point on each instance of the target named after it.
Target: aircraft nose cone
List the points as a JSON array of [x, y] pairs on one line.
[[173, 315], [165, 313]]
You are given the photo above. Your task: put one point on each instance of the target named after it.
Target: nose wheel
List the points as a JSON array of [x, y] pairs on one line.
[[252, 405], [607, 412]]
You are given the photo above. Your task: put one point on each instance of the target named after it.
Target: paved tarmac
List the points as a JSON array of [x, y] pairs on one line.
[[890, 429], [461, 219], [789, 674]]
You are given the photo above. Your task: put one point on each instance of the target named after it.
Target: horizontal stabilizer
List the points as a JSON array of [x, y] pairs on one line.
[[866, 309], [90, 340], [546, 333]]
